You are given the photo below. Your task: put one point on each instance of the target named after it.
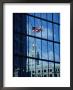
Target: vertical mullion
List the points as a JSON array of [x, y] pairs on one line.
[[35, 48], [58, 26], [53, 44], [59, 39], [41, 49], [47, 45]]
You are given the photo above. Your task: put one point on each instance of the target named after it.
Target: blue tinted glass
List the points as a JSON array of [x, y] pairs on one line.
[[50, 50], [32, 47], [56, 17], [31, 25], [44, 29], [27, 65], [50, 32], [45, 68], [44, 15], [57, 69], [32, 65], [56, 33], [38, 25], [57, 52], [37, 14], [27, 46], [49, 16], [38, 48], [51, 69], [44, 50], [59, 33]]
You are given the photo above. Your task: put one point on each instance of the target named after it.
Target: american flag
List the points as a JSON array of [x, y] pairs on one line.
[[36, 29]]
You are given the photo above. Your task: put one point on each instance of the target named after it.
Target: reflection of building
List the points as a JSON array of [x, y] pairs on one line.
[[46, 71], [35, 60], [36, 69]]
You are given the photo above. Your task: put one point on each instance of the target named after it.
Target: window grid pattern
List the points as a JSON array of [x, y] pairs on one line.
[[24, 33]]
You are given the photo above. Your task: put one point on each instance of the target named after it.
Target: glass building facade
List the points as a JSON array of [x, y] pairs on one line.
[[36, 44]]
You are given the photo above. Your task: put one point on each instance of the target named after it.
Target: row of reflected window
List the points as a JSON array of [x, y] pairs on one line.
[[46, 67], [48, 28], [48, 16], [45, 48]]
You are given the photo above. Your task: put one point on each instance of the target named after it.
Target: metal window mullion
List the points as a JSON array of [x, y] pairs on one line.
[[47, 45], [38, 37], [41, 50], [53, 44], [36, 58], [35, 48], [43, 19]]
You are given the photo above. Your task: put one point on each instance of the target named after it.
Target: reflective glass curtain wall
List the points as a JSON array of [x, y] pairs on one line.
[[36, 44]]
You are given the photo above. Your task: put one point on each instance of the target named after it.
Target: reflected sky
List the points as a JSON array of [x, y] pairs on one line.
[[47, 33], [44, 44]]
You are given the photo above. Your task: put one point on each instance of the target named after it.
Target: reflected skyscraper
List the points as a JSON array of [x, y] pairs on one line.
[[36, 49]]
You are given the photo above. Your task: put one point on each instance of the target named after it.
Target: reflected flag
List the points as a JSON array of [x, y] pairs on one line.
[[36, 29]]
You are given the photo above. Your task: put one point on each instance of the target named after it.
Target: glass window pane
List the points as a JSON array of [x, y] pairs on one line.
[[27, 46], [27, 65], [56, 17], [32, 47], [49, 16], [51, 69], [44, 29], [44, 50], [44, 15], [38, 25], [59, 33], [31, 25], [31, 67], [38, 48], [50, 31], [35, 69], [37, 14], [57, 52], [45, 68], [57, 70], [39, 68], [56, 33], [50, 51]]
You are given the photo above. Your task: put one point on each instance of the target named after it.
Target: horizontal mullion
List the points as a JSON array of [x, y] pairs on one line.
[[36, 37], [21, 55], [42, 19]]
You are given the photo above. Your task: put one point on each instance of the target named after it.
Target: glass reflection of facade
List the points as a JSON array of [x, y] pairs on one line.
[[36, 44]]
